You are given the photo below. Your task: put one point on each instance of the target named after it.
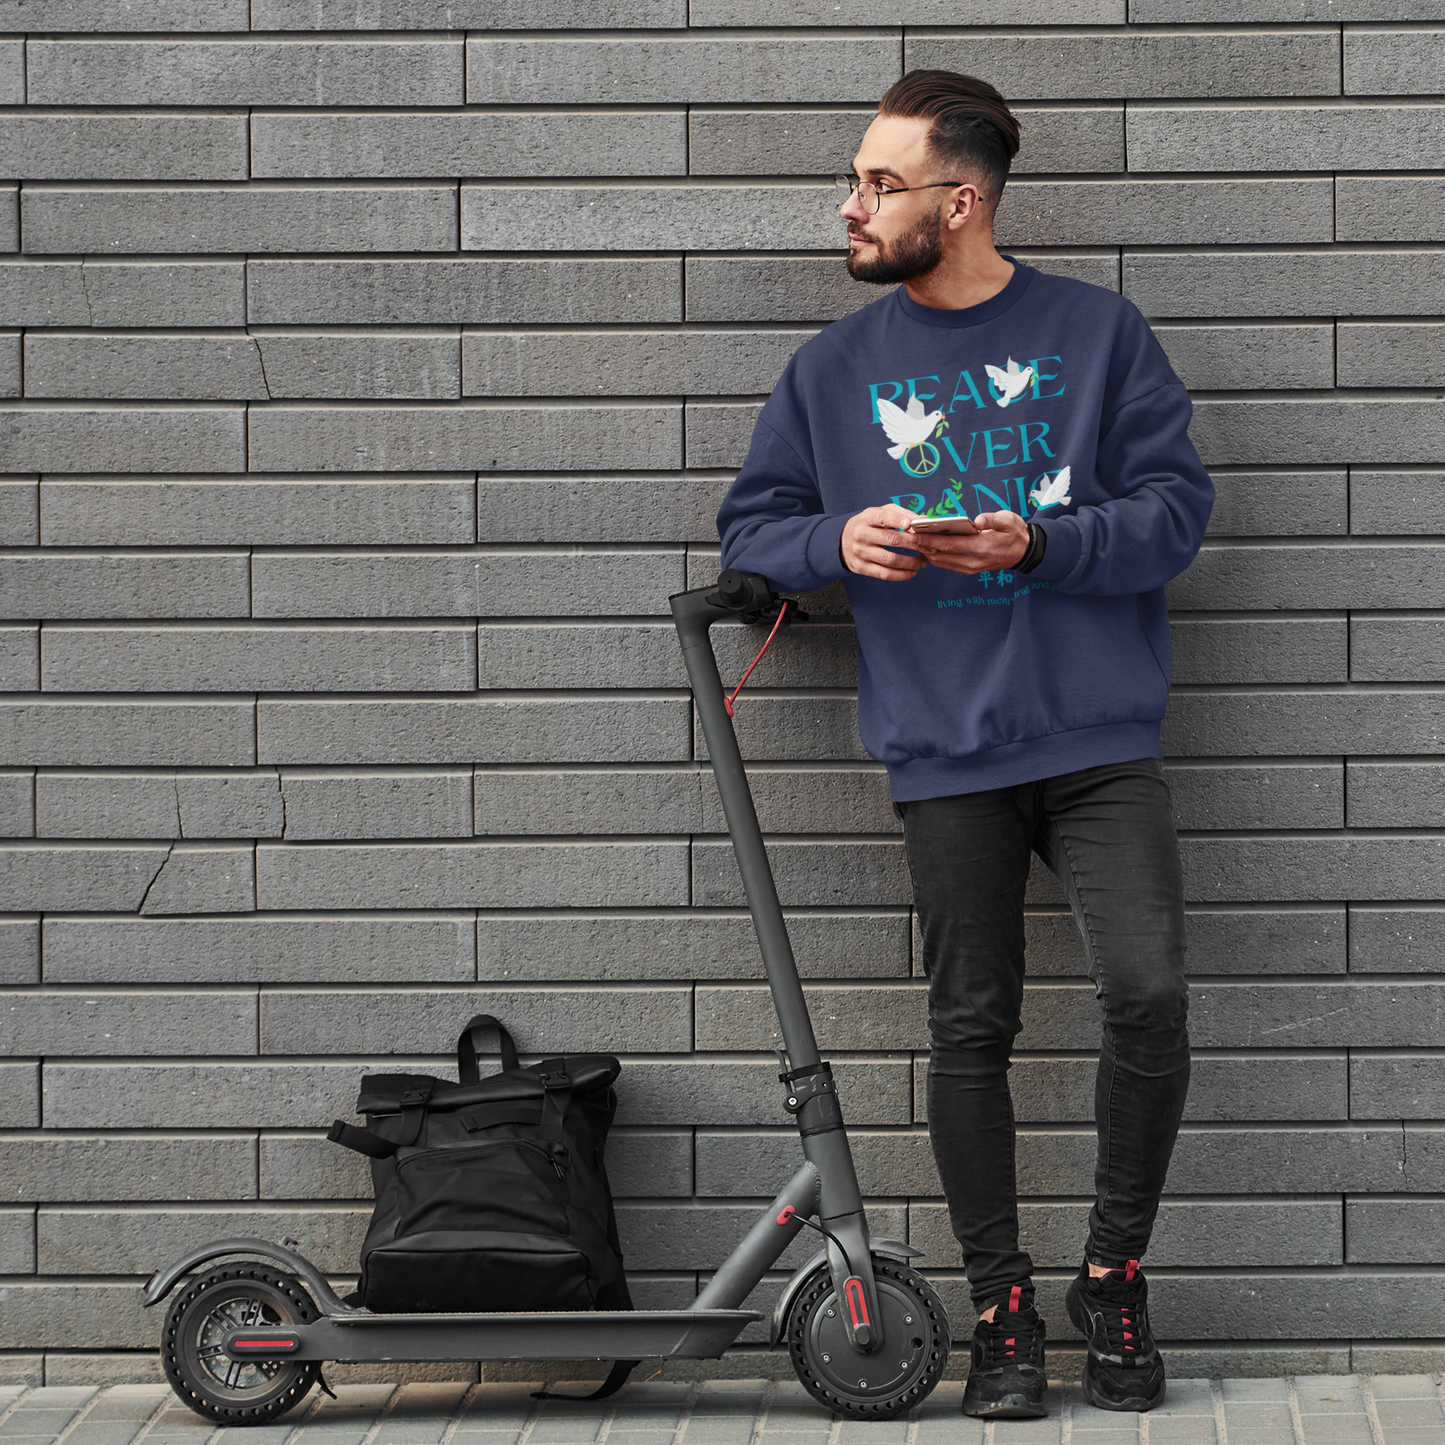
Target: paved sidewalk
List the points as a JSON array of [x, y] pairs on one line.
[[1308, 1410]]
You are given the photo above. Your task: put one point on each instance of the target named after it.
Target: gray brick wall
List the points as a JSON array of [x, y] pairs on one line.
[[370, 371]]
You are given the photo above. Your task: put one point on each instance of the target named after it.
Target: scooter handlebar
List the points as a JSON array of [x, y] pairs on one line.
[[746, 596]]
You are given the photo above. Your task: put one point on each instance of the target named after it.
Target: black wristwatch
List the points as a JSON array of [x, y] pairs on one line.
[[1038, 540]]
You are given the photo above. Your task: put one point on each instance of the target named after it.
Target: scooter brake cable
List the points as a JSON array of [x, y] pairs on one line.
[[728, 701]]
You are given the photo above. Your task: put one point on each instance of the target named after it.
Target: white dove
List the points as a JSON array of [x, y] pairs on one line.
[[907, 428], [1055, 494], [1009, 383]]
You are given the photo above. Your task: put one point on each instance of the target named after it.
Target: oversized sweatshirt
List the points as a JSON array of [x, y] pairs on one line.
[[1052, 399]]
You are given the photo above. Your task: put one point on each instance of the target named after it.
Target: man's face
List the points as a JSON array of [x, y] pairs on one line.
[[905, 239]]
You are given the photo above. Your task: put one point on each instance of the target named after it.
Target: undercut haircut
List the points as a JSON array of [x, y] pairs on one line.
[[972, 127]]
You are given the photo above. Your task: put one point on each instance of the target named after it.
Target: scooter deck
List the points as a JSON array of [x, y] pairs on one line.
[[356, 1337]]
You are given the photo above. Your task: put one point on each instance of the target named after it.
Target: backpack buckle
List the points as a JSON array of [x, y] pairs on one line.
[[414, 1098], [553, 1081]]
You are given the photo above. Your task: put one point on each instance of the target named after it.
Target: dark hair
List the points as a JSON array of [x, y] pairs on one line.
[[972, 129]]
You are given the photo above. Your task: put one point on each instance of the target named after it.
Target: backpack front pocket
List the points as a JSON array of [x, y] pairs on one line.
[[506, 1185]]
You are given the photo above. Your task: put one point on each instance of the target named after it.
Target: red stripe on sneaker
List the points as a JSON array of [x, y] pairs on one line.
[[1014, 1296]]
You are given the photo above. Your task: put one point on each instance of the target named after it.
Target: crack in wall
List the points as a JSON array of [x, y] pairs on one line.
[[85, 292], [180, 821], [261, 358], [155, 878]]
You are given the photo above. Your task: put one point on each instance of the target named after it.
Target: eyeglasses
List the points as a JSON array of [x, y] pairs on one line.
[[872, 195]]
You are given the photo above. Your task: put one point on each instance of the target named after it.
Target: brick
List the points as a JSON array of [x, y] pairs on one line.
[[775, 729], [124, 584], [239, 949], [771, 288], [258, 658], [1180, 213], [383, 365], [262, 216], [94, 876], [1284, 137], [115, 1022], [94, 145], [1411, 203], [466, 143], [19, 512], [1393, 62], [668, 71], [238, 71], [17, 1242], [128, 1166], [11, 366], [1154, 12], [85, 1316], [1396, 502], [1396, 940], [809, 874], [705, 1093], [546, 1020], [64, 733], [106, 805], [738, 1018], [915, 12], [203, 878], [468, 730], [309, 1166], [1330, 575], [1098, 266], [1312, 869], [9, 218], [183, 367], [1380, 354], [1394, 795], [1254, 1234], [299, 511], [1393, 1231], [1246, 724], [599, 508], [459, 291], [486, 875], [1309, 430], [12, 72], [711, 217], [17, 804], [1281, 795], [464, 583], [130, 293], [626, 363], [20, 1108], [1267, 940], [132, 1241], [482, 436], [1287, 283], [1395, 1085], [614, 947], [230, 805], [718, 435], [1318, 1014], [459, 14], [1251, 504], [37, 437], [1139, 64], [19, 949], [1243, 358], [324, 805], [19, 659], [1259, 650], [81, 15]]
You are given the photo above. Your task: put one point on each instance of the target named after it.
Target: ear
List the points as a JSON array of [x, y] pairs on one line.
[[963, 204]]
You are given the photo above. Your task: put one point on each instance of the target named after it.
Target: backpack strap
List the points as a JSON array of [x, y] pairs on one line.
[[363, 1141], [556, 1096], [468, 1071], [616, 1379]]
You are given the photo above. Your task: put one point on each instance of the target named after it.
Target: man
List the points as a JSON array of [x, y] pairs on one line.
[[1012, 675]]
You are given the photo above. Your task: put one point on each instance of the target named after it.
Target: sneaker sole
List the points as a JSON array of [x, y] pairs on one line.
[[1010, 1407], [1137, 1404]]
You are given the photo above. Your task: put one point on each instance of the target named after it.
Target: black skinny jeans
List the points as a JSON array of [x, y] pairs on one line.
[[1108, 834]]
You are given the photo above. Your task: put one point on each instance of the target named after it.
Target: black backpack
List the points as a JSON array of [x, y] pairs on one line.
[[491, 1193]]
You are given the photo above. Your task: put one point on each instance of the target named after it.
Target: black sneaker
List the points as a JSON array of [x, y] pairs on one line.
[[1006, 1379], [1123, 1370]]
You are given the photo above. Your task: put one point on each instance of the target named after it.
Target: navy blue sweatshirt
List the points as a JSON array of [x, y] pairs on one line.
[[966, 683]]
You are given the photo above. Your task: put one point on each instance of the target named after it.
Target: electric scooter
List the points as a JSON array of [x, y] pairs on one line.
[[867, 1334]]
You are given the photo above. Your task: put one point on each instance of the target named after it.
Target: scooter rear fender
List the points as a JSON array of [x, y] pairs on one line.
[[893, 1248], [163, 1281]]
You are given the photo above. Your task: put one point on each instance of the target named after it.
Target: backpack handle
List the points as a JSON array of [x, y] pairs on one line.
[[468, 1071]]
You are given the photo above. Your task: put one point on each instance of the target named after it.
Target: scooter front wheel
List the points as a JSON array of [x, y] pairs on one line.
[[894, 1378], [212, 1383]]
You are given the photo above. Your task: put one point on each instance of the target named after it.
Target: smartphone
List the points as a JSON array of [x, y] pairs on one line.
[[958, 526]]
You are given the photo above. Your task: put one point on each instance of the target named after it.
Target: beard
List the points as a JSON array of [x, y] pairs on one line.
[[913, 254]]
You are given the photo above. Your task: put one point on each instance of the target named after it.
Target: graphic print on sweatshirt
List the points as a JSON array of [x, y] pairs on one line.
[[929, 446]]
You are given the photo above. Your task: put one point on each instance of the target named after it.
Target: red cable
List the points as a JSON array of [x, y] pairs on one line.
[[728, 701]]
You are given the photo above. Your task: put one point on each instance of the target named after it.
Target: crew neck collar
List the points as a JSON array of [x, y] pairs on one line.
[[969, 315]]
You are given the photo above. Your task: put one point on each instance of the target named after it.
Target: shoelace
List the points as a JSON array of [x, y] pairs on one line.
[[1013, 1334], [1120, 1296]]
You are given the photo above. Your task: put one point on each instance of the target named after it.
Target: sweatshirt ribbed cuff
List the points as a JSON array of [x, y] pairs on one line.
[[1062, 548], [823, 554]]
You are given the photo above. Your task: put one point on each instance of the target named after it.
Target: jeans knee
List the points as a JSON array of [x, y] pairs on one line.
[[982, 1062], [1155, 1003]]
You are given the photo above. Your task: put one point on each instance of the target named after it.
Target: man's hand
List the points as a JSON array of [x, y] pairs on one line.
[[869, 535], [1002, 540]]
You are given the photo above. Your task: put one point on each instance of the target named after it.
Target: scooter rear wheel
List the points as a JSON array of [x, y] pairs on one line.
[[214, 1385], [894, 1378]]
